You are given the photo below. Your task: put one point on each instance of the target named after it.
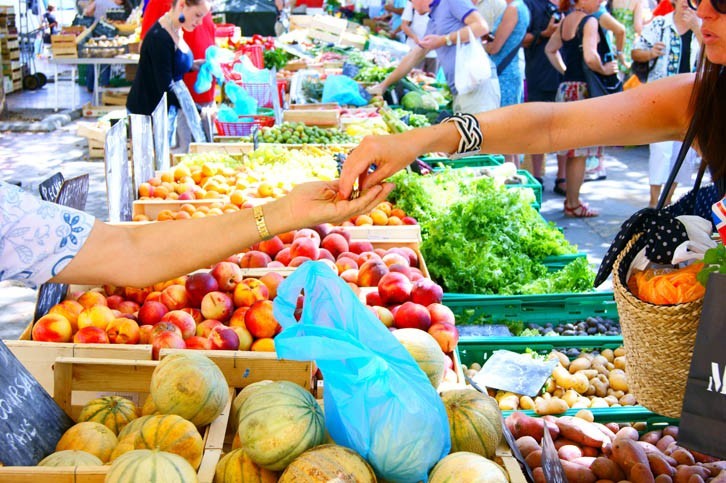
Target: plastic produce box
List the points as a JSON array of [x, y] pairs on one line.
[[476, 161], [558, 262], [530, 182]]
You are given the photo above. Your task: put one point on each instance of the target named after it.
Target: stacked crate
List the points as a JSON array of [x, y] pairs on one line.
[[12, 74]]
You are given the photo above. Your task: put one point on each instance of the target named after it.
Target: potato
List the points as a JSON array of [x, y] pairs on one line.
[[569, 452], [510, 402], [684, 473], [640, 473], [703, 458], [559, 392], [619, 363], [585, 461], [601, 369], [620, 351], [534, 459], [663, 479], [580, 364], [608, 354], [721, 478], [627, 453], [564, 360], [570, 397], [550, 385], [589, 373], [598, 402], [551, 406], [618, 380], [612, 400], [577, 474], [614, 427], [647, 447], [526, 402], [475, 366], [601, 388], [582, 432], [628, 400], [582, 403], [605, 430], [586, 415], [659, 465], [527, 444], [683, 457], [599, 360], [628, 432], [610, 366]]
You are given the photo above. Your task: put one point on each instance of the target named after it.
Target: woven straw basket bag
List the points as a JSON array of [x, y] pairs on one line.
[[659, 342]]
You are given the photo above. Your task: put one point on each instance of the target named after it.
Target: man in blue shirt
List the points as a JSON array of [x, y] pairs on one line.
[[447, 19]]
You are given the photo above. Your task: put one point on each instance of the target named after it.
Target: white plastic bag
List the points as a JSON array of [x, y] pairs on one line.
[[472, 64]]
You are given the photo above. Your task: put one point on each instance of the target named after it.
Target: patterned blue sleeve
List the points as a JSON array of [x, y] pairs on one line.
[[37, 238]]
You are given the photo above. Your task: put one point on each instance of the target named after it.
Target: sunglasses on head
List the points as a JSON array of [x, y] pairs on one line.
[[718, 5]]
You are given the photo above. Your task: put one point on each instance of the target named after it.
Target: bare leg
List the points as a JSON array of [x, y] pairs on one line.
[[575, 176], [537, 163], [654, 195], [512, 158]]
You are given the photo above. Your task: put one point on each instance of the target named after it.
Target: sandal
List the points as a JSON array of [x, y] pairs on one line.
[[557, 189], [539, 180], [580, 211]]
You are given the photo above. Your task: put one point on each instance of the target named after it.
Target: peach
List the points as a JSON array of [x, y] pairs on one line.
[[335, 243], [345, 263], [409, 220], [224, 338], [91, 298], [304, 247], [360, 246], [227, 274], [308, 233], [409, 252], [234, 258], [371, 272], [145, 334], [245, 338], [404, 269], [154, 296], [363, 220], [166, 340], [276, 264], [68, 309], [441, 313], [373, 298], [183, 320], [254, 259], [260, 320], [52, 328], [350, 255], [351, 275], [152, 312], [205, 327], [272, 280], [198, 343], [175, 297], [217, 306], [271, 246], [283, 256], [164, 326], [330, 264], [123, 331], [323, 229], [297, 261], [391, 258], [137, 295], [287, 237], [394, 288], [446, 335], [128, 307], [324, 254], [412, 315], [414, 276], [113, 301], [90, 335], [342, 232], [249, 291], [238, 317], [366, 256], [97, 316], [195, 313], [198, 285], [380, 252], [426, 292], [266, 344], [383, 314], [355, 288]]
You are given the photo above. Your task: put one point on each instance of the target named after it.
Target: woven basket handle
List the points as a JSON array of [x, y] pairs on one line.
[[687, 142]]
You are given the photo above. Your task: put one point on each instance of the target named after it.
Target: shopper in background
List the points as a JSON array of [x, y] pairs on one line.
[[491, 10], [630, 14], [671, 43], [395, 9], [97, 9], [49, 24], [414, 26], [70, 246], [447, 19]]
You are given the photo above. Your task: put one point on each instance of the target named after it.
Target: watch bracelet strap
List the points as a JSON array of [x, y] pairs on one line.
[[260, 222], [471, 136]]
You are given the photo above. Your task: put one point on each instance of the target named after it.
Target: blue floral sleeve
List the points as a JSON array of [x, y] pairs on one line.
[[37, 238]]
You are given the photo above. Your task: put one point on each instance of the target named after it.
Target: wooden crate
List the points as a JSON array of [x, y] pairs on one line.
[[115, 97], [241, 148], [17, 86], [131, 378], [15, 75], [152, 208], [93, 130], [9, 66], [350, 39], [314, 117], [90, 110], [64, 46]]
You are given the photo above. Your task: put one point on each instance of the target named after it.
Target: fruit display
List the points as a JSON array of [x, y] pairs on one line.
[[591, 451], [592, 380], [469, 467], [114, 412], [474, 422], [328, 462], [151, 465], [299, 133]]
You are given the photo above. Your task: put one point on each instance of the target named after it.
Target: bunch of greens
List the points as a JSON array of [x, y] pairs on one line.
[[714, 262], [373, 74], [359, 59], [276, 58], [484, 239], [312, 90]]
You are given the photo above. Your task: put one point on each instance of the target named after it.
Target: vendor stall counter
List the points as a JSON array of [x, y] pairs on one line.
[[95, 63]]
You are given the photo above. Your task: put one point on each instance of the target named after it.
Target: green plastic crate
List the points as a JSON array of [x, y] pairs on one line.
[[624, 414], [475, 161], [531, 183], [558, 262]]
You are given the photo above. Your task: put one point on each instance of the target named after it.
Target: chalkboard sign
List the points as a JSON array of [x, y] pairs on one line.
[[50, 188], [74, 192], [49, 294], [551, 465], [142, 149], [194, 121], [160, 126], [118, 182], [31, 423]]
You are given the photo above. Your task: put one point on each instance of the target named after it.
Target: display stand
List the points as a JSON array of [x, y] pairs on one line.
[[160, 128], [118, 185], [142, 149]]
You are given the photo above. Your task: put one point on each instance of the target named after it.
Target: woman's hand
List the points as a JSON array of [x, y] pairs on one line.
[[657, 50], [317, 202], [610, 68]]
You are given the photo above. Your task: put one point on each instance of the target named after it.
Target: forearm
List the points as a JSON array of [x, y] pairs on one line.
[[407, 30], [641, 55], [411, 59], [555, 59], [142, 255]]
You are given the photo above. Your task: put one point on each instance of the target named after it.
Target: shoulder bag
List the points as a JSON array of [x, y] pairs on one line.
[[598, 84], [641, 70]]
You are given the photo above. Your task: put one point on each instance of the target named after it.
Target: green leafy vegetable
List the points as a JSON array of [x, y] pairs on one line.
[[714, 260]]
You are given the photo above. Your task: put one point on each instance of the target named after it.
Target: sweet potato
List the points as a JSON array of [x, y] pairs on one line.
[[721, 478], [683, 457], [577, 473], [569, 452], [652, 437], [647, 447], [585, 461], [607, 469], [560, 442], [522, 425], [582, 432], [703, 458], [684, 473], [717, 468], [534, 459], [539, 476], [695, 479], [614, 427], [641, 473], [659, 465], [605, 430], [527, 444], [671, 431], [628, 432], [604, 481], [663, 479], [664, 442], [590, 451], [627, 453]]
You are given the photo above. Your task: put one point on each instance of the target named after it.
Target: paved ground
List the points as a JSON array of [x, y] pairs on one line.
[[32, 157]]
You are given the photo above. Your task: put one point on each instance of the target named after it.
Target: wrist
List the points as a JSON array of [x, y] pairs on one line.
[[446, 39], [277, 217]]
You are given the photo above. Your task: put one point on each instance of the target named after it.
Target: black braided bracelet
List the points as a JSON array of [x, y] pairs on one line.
[[468, 127]]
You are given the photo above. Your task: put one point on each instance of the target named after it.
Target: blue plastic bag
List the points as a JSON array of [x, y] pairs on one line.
[[343, 90], [242, 102], [204, 79], [377, 400], [213, 57]]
